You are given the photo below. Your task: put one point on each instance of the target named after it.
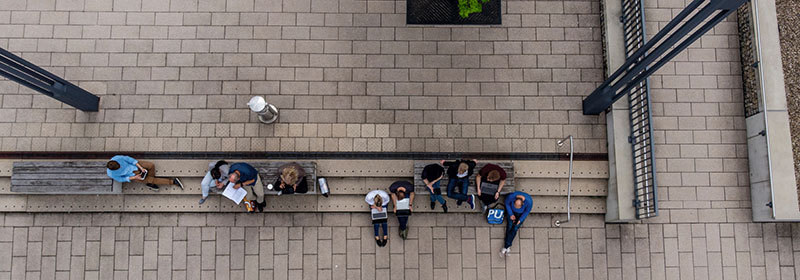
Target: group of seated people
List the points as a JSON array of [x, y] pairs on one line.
[[221, 174], [488, 182]]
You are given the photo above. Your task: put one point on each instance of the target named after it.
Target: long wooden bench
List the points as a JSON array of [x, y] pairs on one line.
[[268, 173], [62, 177], [509, 187]]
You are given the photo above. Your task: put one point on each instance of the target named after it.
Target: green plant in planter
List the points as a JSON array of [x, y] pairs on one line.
[[467, 7]]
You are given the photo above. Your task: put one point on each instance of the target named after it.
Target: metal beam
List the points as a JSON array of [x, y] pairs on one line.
[[675, 37], [34, 77]]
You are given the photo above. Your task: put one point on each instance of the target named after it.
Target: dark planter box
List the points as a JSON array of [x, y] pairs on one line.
[[446, 12]]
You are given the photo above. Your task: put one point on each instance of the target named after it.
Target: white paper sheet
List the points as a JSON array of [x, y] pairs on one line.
[[234, 194]]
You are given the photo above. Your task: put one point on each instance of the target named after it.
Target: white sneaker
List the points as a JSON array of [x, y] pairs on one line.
[[504, 252], [280, 192]]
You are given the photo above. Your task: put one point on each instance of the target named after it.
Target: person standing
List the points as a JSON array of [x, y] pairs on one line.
[[378, 200], [431, 176], [245, 175], [125, 169], [458, 173], [216, 177], [489, 181], [402, 191], [518, 206]]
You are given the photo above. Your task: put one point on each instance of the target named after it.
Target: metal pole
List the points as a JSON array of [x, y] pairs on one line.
[[558, 223]]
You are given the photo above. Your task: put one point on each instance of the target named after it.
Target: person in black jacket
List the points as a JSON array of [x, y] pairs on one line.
[[459, 171], [432, 175]]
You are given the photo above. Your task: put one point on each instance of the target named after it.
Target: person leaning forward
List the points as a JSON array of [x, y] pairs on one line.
[[241, 174], [399, 191], [125, 169]]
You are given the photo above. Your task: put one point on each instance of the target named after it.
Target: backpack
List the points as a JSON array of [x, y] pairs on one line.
[[496, 214]]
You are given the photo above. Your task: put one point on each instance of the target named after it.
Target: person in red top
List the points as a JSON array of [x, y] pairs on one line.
[[489, 181]]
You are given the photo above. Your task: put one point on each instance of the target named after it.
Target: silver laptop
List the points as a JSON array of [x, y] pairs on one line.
[[379, 215]]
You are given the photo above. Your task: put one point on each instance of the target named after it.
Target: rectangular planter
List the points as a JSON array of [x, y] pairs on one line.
[[446, 12]]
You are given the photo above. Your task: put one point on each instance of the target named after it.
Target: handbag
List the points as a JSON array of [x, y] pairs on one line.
[[496, 214]]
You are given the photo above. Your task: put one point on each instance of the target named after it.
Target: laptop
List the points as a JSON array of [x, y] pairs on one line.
[[379, 215], [403, 208]]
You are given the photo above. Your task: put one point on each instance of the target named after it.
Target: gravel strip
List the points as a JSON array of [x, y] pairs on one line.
[[789, 30]]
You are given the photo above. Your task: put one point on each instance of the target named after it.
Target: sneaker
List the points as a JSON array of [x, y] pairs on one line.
[[485, 208], [280, 192], [444, 206], [153, 187], [177, 181], [378, 242], [433, 205], [202, 200], [504, 252], [471, 201], [260, 206]]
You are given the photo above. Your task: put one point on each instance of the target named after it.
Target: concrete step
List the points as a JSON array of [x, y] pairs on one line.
[[286, 203]]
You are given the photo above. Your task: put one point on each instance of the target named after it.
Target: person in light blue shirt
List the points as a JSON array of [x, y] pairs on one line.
[[518, 206], [126, 169]]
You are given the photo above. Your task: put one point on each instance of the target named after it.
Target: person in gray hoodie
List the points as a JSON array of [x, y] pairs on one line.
[[216, 177]]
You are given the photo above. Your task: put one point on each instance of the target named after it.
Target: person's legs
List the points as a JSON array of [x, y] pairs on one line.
[[259, 191], [206, 184], [403, 221], [487, 199], [385, 227], [151, 174], [511, 233], [464, 186], [451, 188], [375, 227]]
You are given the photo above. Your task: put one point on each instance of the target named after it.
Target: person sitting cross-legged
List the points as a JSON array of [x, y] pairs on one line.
[[489, 182], [518, 206], [458, 172], [125, 169]]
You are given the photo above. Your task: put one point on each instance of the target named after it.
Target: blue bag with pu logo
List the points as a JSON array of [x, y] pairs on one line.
[[496, 214]]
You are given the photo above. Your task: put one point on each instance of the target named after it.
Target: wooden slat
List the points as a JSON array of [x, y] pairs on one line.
[[509, 187], [61, 177], [268, 173]]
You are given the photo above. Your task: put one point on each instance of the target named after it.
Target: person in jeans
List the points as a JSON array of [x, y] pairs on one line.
[[125, 169], [431, 175], [494, 175], [400, 190], [216, 177], [241, 174], [459, 171], [378, 200], [291, 179], [518, 206]]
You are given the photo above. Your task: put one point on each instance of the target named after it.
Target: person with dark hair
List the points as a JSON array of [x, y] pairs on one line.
[[431, 176], [291, 179], [241, 174], [458, 172], [402, 193], [488, 182], [216, 177], [125, 169], [518, 206]]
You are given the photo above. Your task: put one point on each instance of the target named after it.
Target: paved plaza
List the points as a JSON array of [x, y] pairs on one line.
[[347, 75]]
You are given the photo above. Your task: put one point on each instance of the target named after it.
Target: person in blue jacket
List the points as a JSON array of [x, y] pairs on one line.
[[518, 206]]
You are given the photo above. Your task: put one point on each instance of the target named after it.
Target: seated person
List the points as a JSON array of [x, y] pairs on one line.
[[432, 176], [495, 176], [216, 177], [398, 191], [518, 206], [291, 179], [125, 169], [377, 201], [458, 173], [241, 174]]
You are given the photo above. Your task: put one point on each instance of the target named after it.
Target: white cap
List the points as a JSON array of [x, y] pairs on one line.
[[257, 104]]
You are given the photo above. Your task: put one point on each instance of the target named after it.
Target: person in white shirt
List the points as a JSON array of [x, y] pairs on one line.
[[378, 200]]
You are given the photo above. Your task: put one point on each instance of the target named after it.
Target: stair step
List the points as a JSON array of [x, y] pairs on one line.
[[286, 203]]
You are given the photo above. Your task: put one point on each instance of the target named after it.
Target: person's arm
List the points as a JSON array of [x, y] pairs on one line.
[[437, 179], [500, 187], [509, 207], [394, 201], [478, 183], [410, 200], [527, 207], [248, 182]]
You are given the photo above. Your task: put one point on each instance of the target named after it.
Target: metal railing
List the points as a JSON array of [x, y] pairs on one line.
[[644, 173]]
